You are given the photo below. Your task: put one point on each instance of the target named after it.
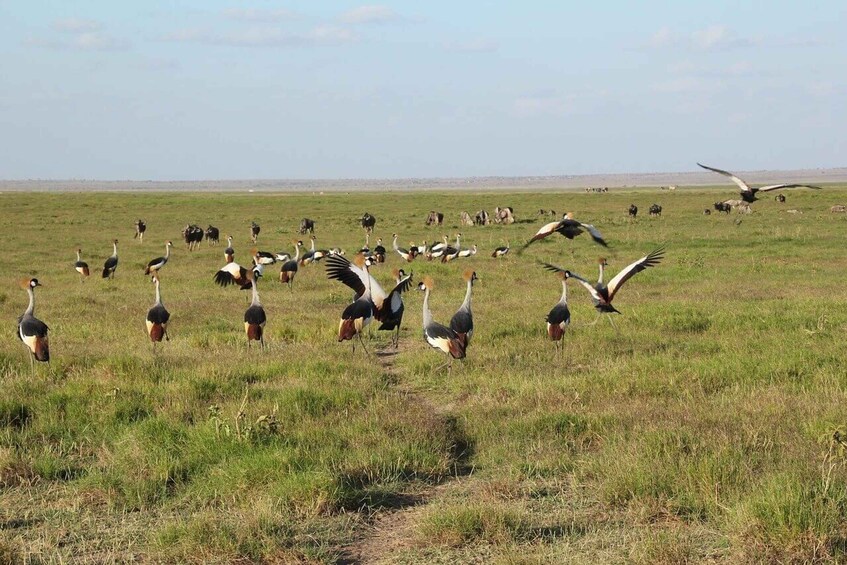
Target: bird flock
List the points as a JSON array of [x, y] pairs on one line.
[[369, 301]]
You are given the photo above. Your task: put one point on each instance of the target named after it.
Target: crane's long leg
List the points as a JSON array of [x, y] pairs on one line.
[[363, 343], [31, 365], [397, 337], [611, 321], [597, 319]]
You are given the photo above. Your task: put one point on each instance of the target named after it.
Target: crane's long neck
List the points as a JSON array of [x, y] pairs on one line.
[[313, 245], [229, 241], [427, 315], [457, 240], [367, 282], [467, 303], [602, 270], [297, 252], [395, 243], [158, 294], [114, 249], [167, 251], [78, 256], [31, 308], [367, 240], [255, 301], [564, 299]]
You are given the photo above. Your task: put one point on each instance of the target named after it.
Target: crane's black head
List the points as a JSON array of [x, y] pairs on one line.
[[29, 283]]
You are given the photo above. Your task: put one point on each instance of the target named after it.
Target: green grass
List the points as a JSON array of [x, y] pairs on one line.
[[700, 430]]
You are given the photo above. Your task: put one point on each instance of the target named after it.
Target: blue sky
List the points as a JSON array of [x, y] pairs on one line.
[[258, 89]]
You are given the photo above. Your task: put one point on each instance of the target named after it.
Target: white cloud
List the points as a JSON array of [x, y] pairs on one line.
[[664, 37], [97, 41], [739, 69], [682, 85], [373, 14], [77, 25], [718, 38], [265, 37], [256, 15], [543, 105], [93, 41], [473, 46]]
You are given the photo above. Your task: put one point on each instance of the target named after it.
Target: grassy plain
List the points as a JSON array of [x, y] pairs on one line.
[[701, 430]]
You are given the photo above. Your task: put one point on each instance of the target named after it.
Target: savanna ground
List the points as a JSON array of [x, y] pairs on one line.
[[703, 429]]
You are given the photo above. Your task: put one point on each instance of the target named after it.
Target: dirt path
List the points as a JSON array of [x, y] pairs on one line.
[[392, 529]]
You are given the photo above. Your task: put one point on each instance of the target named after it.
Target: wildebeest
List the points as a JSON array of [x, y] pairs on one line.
[[140, 228], [723, 207], [780, 198], [307, 225], [193, 235], [633, 211], [434, 218], [465, 219], [838, 209], [368, 222], [655, 210], [481, 218], [543, 212], [254, 231], [504, 215], [213, 234]]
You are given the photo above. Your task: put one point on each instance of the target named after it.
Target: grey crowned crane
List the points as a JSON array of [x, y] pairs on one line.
[[559, 317], [602, 263], [391, 315], [407, 255], [157, 317], [451, 252], [462, 320], [159, 262], [258, 267], [748, 193], [437, 250], [500, 251], [439, 336], [254, 317], [465, 253], [112, 262], [415, 249], [387, 308], [359, 314], [379, 251], [289, 268], [31, 330], [232, 273], [81, 266], [568, 227], [603, 294], [229, 252], [264, 257], [309, 256]]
